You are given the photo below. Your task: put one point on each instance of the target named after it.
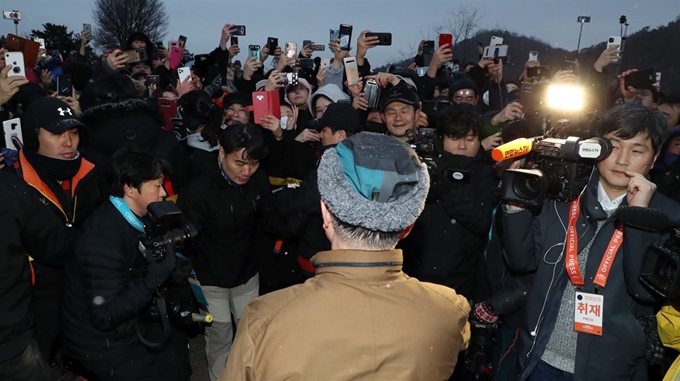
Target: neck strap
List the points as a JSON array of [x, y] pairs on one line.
[[127, 213], [224, 174]]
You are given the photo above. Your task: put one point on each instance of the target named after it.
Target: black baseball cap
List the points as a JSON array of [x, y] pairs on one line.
[[341, 116], [400, 94], [52, 114]]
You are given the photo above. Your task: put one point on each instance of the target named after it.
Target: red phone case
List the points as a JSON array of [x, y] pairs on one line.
[[28, 47], [266, 103], [446, 38], [169, 110], [176, 57]]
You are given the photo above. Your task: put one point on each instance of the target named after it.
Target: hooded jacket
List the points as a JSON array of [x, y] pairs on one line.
[[360, 318], [330, 91], [132, 122], [534, 244]]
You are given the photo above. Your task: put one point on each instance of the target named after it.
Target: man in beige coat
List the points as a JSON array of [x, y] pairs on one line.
[[360, 317]]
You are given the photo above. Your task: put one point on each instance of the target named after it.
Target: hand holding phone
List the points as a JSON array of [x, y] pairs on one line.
[[64, 85], [345, 37], [446, 39], [16, 59]]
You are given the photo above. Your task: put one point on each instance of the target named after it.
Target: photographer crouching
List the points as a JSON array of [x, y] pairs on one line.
[[112, 289]]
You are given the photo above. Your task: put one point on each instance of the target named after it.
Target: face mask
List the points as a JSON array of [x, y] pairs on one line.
[[283, 122]]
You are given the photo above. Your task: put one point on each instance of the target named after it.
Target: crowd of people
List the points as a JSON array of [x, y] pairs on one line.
[[338, 237]]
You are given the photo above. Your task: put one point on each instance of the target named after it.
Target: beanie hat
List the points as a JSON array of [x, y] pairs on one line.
[[341, 116], [373, 181], [462, 81]]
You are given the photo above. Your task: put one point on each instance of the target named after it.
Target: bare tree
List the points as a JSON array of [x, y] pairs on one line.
[[118, 19], [463, 23]]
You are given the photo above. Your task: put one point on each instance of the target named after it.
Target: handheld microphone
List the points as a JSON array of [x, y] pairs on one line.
[[516, 148]]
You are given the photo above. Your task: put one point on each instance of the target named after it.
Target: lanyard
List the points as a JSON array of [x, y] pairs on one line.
[[572, 250], [127, 213]]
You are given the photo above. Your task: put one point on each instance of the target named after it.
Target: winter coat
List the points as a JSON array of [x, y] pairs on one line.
[[226, 217], [533, 244], [28, 226], [105, 288], [132, 122], [87, 193], [449, 237], [359, 318]]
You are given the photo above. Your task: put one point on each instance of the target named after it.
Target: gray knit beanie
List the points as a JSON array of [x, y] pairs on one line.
[[373, 181]]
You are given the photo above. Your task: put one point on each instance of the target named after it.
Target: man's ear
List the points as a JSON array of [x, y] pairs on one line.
[[129, 191]]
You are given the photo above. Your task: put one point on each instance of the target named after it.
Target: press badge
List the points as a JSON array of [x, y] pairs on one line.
[[588, 313]]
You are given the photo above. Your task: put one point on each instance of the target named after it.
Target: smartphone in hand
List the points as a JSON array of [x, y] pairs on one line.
[[351, 70], [64, 85], [345, 37]]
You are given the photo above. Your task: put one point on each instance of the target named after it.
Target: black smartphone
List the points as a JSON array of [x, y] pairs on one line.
[[64, 85], [240, 30], [458, 175], [384, 39], [272, 43], [428, 47], [159, 45], [571, 65], [318, 47], [234, 40], [641, 78], [307, 63], [306, 43], [345, 36], [182, 41]]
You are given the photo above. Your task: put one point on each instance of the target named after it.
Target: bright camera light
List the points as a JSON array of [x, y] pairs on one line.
[[565, 97]]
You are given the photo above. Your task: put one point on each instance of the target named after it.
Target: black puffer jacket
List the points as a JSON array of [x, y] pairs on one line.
[[226, 217], [105, 288], [450, 235], [27, 225], [136, 123]]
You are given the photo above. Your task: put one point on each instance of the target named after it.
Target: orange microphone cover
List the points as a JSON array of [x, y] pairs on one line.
[[516, 148]]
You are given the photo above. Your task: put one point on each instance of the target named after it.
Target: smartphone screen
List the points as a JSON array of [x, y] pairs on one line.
[[351, 71], [182, 41], [234, 40], [345, 36]]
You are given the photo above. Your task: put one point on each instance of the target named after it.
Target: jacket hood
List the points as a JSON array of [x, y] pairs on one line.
[[97, 115], [330, 91]]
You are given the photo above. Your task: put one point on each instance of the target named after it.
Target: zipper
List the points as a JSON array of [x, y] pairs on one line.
[[52, 201]]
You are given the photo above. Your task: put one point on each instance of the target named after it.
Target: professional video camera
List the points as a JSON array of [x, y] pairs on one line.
[[662, 263], [164, 230], [554, 168], [423, 142], [479, 355]]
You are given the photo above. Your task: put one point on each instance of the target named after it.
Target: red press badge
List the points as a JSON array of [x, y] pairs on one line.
[[588, 313]]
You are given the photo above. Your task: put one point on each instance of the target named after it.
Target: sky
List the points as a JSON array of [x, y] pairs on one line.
[[409, 22]]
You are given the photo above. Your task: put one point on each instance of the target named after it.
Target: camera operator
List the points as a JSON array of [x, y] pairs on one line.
[[666, 172], [562, 337], [449, 237], [110, 285]]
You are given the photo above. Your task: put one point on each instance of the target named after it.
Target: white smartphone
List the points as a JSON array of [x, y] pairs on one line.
[[421, 71], [12, 128], [16, 59], [41, 41], [325, 62], [183, 73], [533, 56], [351, 70], [495, 41], [495, 51], [87, 28], [658, 79], [290, 49], [614, 40]]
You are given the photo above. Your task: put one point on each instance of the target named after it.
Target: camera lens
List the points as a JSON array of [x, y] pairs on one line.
[[527, 187], [16, 69], [611, 39]]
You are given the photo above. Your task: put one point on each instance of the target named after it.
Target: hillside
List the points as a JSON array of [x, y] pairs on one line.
[[658, 48]]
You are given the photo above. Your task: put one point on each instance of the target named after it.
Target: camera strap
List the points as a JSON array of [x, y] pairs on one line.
[[572, 250], [127, 213]]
